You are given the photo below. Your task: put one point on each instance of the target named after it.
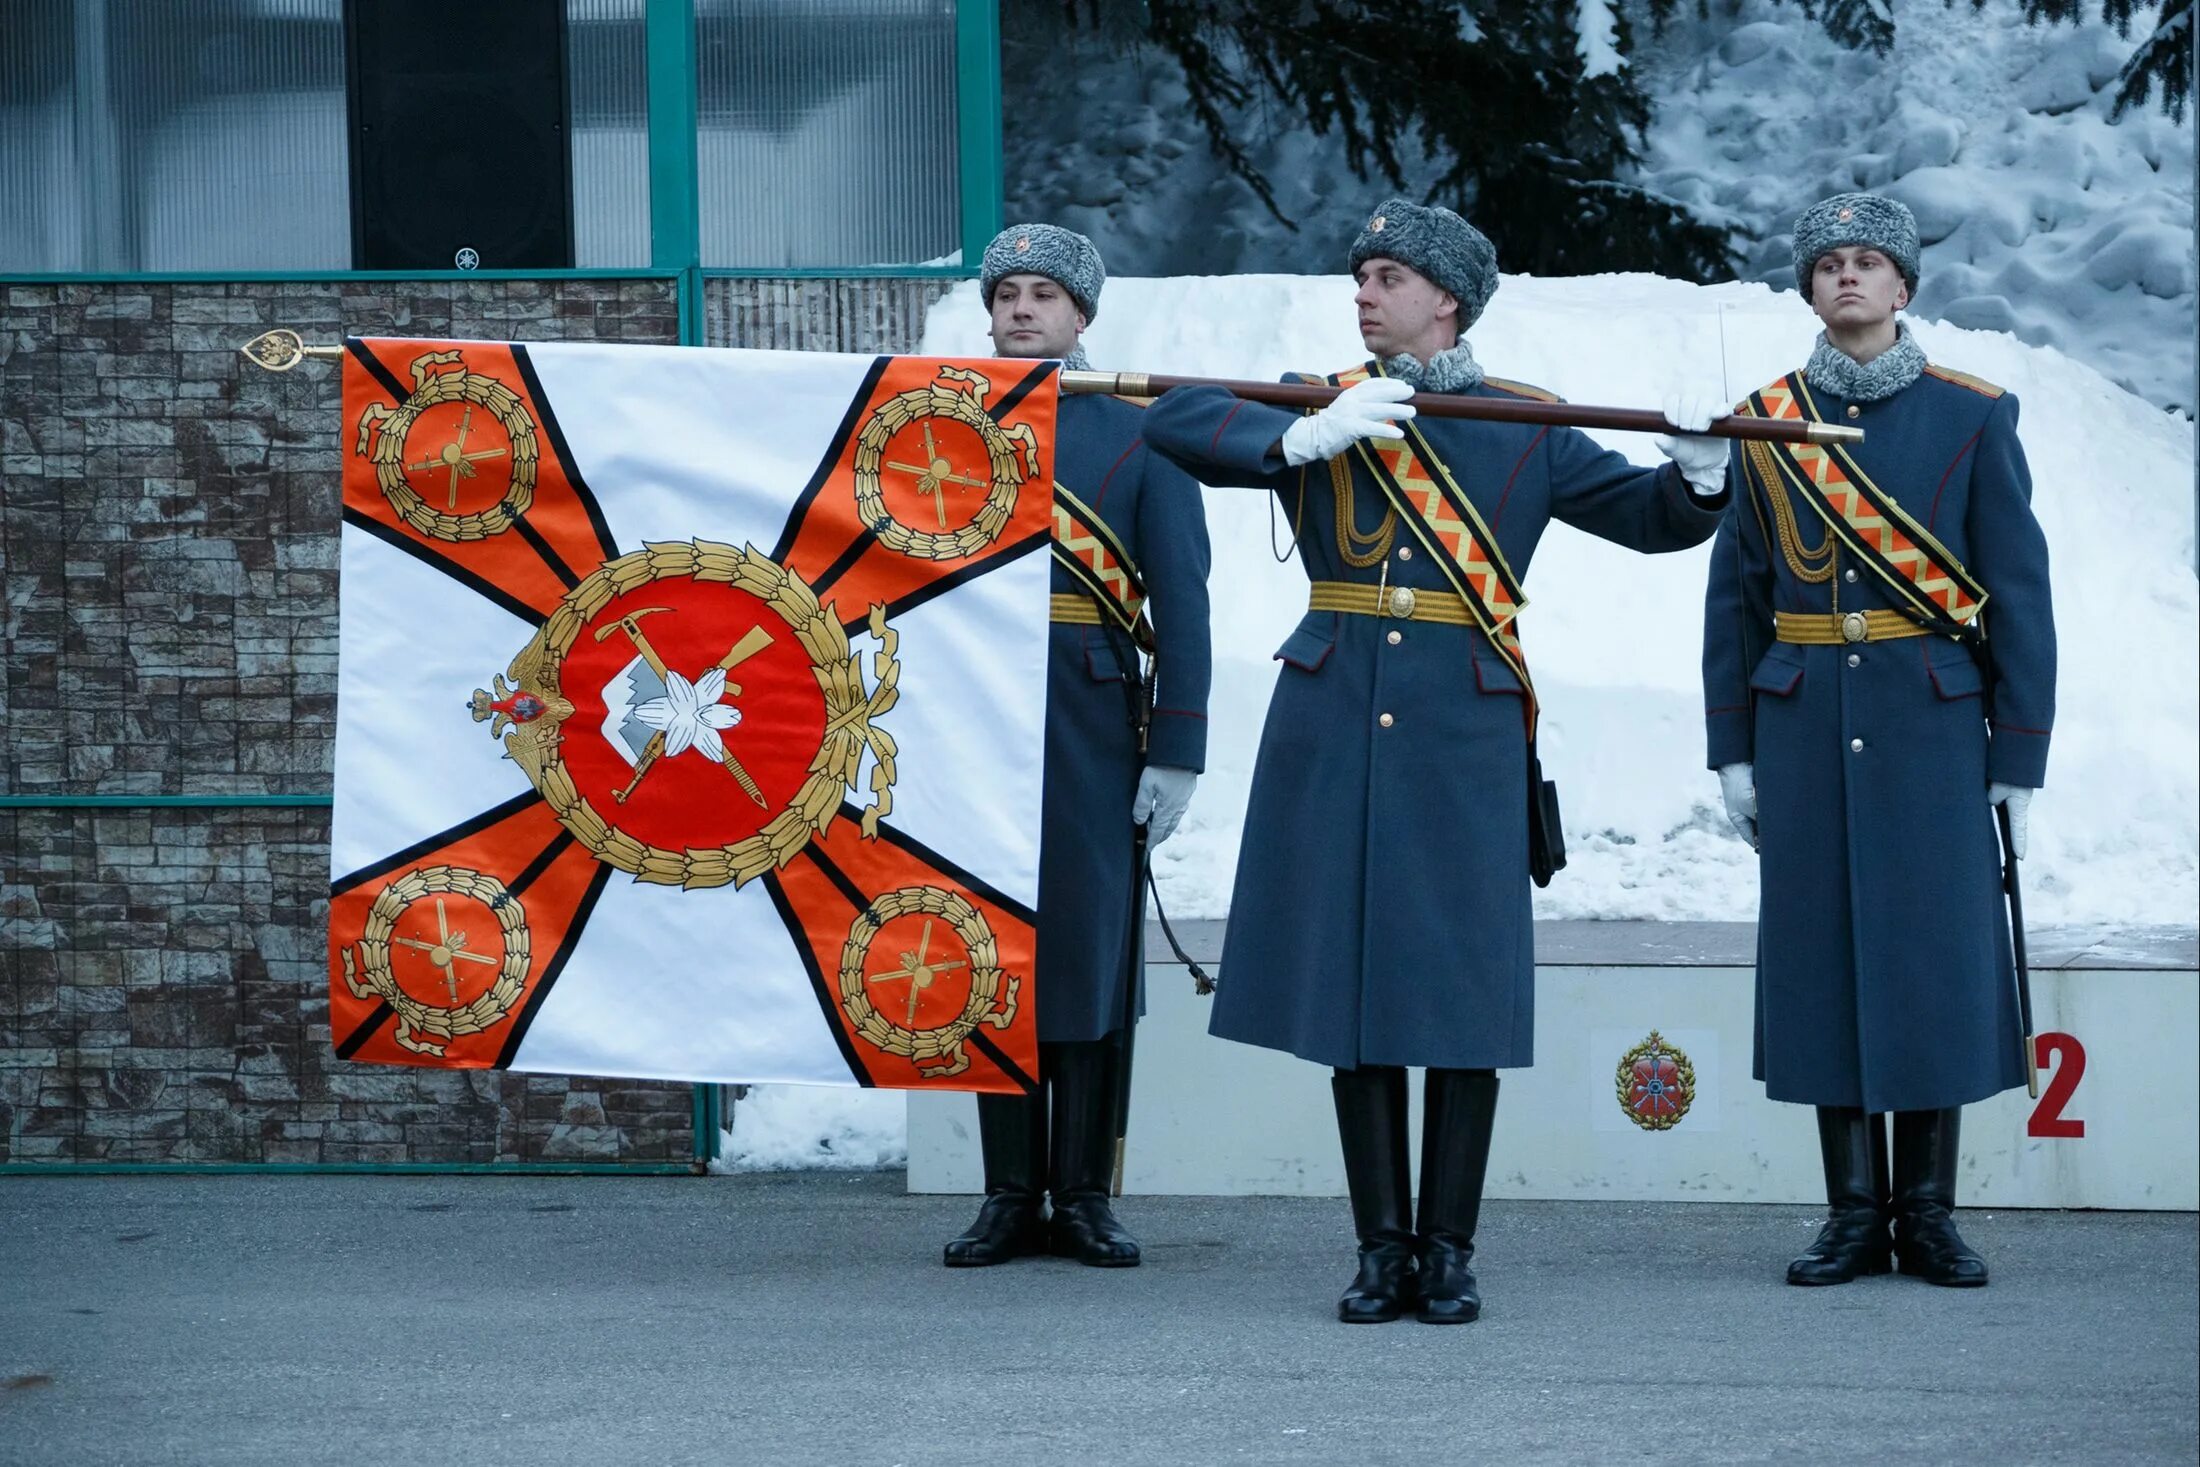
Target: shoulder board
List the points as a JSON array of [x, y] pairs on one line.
[[1963, 379], [1521, 389]]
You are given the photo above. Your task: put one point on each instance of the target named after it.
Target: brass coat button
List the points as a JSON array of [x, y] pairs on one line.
[[1849, 576], [1386, 720], [1854, 410], [1854, 660], [1396, 638], [1856, 746], [1405, 552]]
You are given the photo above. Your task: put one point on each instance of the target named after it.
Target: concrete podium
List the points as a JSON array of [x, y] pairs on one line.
[[2117, 1125]]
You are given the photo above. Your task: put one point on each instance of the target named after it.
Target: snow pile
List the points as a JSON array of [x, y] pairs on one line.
[[2039, 216], [814, 1127], [1615, 638]]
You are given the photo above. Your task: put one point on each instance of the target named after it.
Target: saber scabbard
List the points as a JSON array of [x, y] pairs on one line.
[[2015, 895], [1490, 409]]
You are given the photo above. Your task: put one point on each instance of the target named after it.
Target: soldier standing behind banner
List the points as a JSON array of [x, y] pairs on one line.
[[1860, 745], [1380, 916], [1042, 286]]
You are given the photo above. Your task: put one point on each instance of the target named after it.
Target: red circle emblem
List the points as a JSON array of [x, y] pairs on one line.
[[695, 712]]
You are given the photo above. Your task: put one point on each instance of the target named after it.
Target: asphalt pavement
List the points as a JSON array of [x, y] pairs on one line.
[[798, 1319]]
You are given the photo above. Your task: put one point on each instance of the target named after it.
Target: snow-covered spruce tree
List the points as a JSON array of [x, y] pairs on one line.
[[2162, 63], [1527, 107], [2163, 60]]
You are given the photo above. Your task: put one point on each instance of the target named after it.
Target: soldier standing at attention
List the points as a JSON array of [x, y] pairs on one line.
[[1042, 286], [1864, 718], [1380, 916]]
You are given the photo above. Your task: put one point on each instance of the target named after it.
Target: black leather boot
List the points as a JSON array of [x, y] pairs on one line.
[[1853, 1242], [1083, 1226], [1371, 1123], [1012, 1135], [1459, 1110], [1926, 1244]]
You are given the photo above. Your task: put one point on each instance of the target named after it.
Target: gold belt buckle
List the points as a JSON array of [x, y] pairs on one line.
[[1854, 626], [1401, 601]]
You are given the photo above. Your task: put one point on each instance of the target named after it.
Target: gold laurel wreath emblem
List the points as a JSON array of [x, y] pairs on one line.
[[850, 715], [384, 432], [1012, 460], [426, 1028], [993, 996], [1654, 1048]]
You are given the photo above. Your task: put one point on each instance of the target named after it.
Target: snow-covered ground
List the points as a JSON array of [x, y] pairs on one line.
[[1615, 637], [2040, 216]]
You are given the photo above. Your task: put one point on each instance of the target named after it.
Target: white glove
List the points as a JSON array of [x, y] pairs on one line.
[[1163, 793], [1738, 787], [2019, 801], [1702, 461], [1369, 409]]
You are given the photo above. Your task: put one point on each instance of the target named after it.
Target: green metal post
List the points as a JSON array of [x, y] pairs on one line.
[[675, 215], [676, 243], [978, 123]]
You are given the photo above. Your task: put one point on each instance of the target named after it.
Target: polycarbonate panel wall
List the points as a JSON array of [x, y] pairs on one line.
[[607, 67], [827, 133], [162, 135]]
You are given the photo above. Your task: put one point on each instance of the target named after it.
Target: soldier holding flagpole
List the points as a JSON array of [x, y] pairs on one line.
[[1380, 916], [1130, 535], [1879, 673]]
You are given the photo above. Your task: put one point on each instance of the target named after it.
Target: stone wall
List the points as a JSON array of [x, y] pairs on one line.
[[168, 554]]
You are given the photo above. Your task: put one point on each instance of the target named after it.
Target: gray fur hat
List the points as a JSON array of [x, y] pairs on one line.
[[1062, 255], [1883, 224], [1436, 242]]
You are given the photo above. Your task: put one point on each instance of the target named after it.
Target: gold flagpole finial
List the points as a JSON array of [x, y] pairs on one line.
[[282, 349]]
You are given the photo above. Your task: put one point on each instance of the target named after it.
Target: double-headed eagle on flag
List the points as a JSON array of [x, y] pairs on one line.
[[690, 713]]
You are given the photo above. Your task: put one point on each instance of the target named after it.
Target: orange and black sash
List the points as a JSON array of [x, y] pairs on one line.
[[1097, 561], [1426, 496], [1934, 587]]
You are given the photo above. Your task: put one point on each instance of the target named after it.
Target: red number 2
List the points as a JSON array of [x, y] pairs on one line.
[[2047, 1117]]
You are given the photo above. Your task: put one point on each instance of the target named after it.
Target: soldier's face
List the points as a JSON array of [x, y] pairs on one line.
[[1034, 317], [1402, 310], [1856, 286]]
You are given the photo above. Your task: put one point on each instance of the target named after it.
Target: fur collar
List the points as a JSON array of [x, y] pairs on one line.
[[1077, 361], [1452, 370], [1832, 370]]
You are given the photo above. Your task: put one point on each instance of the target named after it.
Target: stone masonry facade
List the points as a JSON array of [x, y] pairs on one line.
[[168, 567]]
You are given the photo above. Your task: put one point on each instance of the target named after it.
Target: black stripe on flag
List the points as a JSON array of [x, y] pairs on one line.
[[1000, 410], [573, 931], [949, 582], [379, 372], [356, 1040], [826, 1003], [903, 841], [486, 589], [556, 435], [824, 470], [433, 843]]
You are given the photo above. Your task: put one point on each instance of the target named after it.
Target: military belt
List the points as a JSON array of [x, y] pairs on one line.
[[1076, 609], [1404, 603], [1832, 628]]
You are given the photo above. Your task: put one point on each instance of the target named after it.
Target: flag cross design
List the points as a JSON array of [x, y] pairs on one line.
[[690, 713]]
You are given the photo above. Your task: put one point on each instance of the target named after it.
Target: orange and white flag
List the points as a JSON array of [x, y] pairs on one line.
[[690, 713]]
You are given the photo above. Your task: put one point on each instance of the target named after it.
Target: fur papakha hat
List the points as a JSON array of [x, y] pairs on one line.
[[1436, 242], [1062, 255], [1883, 224]]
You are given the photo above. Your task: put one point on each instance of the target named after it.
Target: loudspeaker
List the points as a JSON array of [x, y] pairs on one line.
[[460, 152]]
